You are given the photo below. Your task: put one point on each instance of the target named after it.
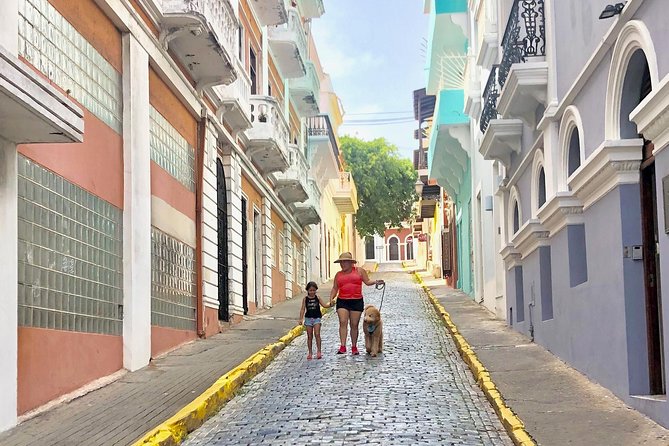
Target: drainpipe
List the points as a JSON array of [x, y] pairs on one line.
[[199, 185]]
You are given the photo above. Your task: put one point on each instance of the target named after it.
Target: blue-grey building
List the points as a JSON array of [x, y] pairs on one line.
[[574, 100]]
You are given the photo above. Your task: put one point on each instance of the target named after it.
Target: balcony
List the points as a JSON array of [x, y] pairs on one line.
[[501, 137], [203, 36], [448, 153], [472, 89], [323, 156], [307, 213], [345, 194], [448, 38], [429, 198], [312, 9], [488, 45], [270, 12], [268, 135], [523, 72], [291, 185], [234, 102], [33, 111], [288, 43], [305, 91]]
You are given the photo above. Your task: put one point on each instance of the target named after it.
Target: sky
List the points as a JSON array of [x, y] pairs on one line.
[[374, 50]]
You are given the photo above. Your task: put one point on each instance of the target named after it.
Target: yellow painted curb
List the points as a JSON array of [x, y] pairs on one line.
[[174, 430], [513, 425]]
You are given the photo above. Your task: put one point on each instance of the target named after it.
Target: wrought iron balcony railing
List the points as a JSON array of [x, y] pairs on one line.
[[490, 95], [524, 37]]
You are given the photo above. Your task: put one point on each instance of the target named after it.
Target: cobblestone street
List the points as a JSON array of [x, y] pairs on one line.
[[418, 391]]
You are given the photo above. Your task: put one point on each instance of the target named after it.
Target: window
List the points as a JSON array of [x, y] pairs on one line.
[[516, 217], [520, 294], [574, 161], [253, 71], [542, 188], [545, 272], [241, 43], [578, 263]]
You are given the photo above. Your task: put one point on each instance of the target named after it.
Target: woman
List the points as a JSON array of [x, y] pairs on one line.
[[348, 284]]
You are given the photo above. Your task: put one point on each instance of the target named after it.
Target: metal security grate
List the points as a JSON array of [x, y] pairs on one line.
[[70, 255], [173, 302], [171, 151], [54, 47]]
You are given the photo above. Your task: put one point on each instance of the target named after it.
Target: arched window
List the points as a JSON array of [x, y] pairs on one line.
[[516, 217], [574, 154], [542, 188]]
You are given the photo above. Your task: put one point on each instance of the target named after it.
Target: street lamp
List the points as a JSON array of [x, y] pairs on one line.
[[611, 10], [419, 187]]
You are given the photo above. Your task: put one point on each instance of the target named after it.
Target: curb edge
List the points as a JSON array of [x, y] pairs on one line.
[[511, 422]]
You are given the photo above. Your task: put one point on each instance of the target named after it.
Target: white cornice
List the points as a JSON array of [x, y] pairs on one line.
[[652, 116], [614, 163], [531, 236], [561, 210], [510, 256], [502, 137]]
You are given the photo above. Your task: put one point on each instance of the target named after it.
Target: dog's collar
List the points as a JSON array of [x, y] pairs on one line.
[[371, 328]]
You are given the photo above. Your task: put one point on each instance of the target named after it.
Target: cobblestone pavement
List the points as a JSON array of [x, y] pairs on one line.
[[418, 391]]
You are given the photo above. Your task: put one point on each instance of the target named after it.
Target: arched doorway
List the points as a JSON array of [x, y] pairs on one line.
[[636, 86], [409, 248], [393, 249], [222, 216], [369, 247]]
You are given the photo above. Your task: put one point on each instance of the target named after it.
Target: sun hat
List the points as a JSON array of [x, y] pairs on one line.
[[346, 256]]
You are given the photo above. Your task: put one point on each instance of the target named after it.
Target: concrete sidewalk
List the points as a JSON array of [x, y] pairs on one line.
[[558, 405], [121, 412]]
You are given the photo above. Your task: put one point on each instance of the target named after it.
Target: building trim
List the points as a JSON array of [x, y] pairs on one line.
[[634, 36], [537, 165], [561, 210], [531, 236], [613, 164], [571, 120], [652, 116]]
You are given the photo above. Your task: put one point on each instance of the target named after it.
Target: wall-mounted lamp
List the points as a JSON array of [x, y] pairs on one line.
[[419, 187], [611, 10]]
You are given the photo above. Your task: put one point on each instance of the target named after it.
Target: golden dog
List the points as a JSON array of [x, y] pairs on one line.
[[372, 325]]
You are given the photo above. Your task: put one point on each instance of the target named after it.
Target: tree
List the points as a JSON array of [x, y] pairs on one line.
[[385, 183]]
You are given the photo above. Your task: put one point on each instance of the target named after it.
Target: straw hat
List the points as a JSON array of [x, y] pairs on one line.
[[346, 256]]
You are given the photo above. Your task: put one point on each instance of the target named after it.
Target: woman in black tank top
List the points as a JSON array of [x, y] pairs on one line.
[[310, 316]]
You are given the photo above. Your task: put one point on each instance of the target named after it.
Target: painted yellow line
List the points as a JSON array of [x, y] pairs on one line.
[[513, 425], [174, 430]]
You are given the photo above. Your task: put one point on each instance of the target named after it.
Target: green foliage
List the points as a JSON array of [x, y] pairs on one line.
[[385, 183]]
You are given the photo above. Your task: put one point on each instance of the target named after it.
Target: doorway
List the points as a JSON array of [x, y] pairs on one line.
[[222, 217], [409, 248], [393, 249], [257, 256], [245, 257], [369, 247]]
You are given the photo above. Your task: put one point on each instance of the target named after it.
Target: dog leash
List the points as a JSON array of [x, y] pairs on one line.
[[381, 286]]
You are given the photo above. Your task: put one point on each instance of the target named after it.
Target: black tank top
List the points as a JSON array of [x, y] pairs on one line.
[[313, 307]]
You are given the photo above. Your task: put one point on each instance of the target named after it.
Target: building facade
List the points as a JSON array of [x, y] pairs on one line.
[[158, 179], [567, 103]]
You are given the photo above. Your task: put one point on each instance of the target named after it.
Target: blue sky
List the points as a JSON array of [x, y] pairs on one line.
[[374, 52]]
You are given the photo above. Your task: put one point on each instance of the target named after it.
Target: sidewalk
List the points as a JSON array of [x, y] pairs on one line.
[[558, 405], [120, 413]]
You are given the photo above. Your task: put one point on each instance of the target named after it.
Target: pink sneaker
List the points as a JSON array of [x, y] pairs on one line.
[[308, 357], [342, 350], [354, 350], [319, 356]]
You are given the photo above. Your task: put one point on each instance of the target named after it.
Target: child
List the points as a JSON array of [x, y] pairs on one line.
[[312, 319]]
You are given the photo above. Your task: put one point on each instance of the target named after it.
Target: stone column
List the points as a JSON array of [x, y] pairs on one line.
[[137, 207], [9, 280], [210, 221], [267, 252], [233, 178]]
